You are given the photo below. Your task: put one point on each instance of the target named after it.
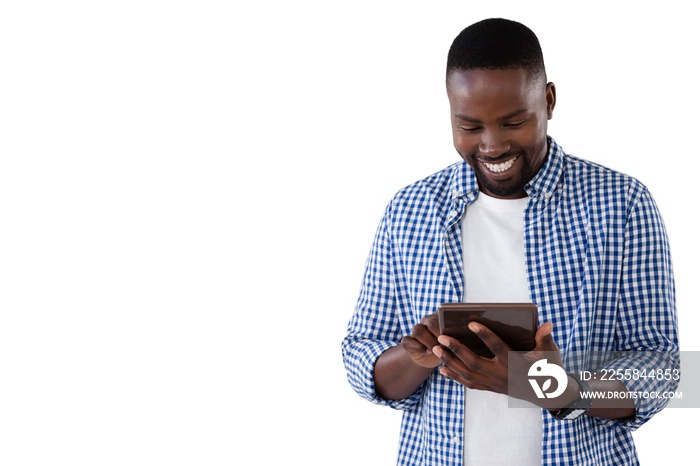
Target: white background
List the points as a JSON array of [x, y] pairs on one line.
[[189, 190]]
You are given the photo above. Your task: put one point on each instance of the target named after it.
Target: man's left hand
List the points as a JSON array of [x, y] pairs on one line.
[[477, 372]]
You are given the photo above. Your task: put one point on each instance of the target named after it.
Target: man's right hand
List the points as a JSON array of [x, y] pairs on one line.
[[423, 338]]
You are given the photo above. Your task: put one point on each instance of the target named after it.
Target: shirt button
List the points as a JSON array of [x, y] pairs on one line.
[[455, 439], [453, 213], [455, 193]]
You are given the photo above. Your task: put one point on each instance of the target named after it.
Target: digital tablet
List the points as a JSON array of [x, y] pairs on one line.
[[514, 323]]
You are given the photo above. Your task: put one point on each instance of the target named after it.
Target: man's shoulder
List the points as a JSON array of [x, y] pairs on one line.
[[594, 178], [433, 188], [430, 198]]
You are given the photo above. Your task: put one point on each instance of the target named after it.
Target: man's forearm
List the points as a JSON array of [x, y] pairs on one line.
[[396, 376], [616, 407]]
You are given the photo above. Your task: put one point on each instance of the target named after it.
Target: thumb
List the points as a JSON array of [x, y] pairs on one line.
[[543, 338]]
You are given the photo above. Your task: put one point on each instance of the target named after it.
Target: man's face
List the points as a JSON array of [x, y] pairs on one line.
[[499, 126]]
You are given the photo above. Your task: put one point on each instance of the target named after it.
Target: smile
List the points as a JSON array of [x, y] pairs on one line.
[[500, 167]]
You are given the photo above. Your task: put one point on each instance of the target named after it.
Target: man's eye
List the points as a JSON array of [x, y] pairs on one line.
[[469, 129], [515, 124]]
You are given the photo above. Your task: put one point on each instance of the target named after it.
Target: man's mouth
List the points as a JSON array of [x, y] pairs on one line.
[[500, 167]]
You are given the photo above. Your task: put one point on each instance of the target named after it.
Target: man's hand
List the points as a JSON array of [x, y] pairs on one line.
[[473, 371], [419, 345]]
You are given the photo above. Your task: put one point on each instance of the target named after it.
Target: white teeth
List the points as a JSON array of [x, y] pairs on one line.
[[500, 167]]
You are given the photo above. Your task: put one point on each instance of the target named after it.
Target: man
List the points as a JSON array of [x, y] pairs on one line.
[[518, 220]]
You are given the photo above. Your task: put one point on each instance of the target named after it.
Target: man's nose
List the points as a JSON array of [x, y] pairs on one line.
[[493, 144]]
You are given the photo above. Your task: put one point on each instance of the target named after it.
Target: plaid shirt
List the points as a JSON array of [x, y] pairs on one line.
[[599, 269]]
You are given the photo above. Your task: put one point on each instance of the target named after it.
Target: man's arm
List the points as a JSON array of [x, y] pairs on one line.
[[376, 352], [397, 376], [646, 326]]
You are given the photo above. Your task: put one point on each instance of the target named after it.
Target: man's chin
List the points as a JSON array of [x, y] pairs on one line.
[[507, 188], [500, 189]]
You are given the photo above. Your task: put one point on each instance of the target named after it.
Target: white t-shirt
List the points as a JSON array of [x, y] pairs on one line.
[[495, 271]]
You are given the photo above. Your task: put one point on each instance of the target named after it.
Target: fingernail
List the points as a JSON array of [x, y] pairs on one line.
[[473, 327], [444, 340], [437, 351]]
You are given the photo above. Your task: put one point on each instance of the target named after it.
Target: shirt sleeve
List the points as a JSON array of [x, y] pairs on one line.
[[375, 326], [647, 334]]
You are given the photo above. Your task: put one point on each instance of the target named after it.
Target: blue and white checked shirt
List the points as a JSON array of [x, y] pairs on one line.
[[599, 269]]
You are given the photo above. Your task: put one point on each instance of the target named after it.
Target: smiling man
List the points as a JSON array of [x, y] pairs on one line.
[[517, 220]]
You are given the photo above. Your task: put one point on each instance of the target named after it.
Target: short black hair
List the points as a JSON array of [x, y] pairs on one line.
[[496, 44]]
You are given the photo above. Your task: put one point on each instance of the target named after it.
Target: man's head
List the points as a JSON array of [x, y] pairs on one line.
[[500, 102]]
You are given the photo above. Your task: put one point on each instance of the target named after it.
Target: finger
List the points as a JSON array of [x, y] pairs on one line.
[[412, 345], [543, 338], [432, 323], [491, 340], [459, 358], [467, 380], [424, 335]]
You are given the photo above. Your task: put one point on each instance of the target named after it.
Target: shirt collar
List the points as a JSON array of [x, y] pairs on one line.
[[545, 182], [463, 182]]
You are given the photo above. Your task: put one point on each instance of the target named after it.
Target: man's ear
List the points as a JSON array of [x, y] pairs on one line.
[[551, 96]]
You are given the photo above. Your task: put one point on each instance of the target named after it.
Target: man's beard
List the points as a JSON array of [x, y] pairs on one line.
[[506, 188]]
